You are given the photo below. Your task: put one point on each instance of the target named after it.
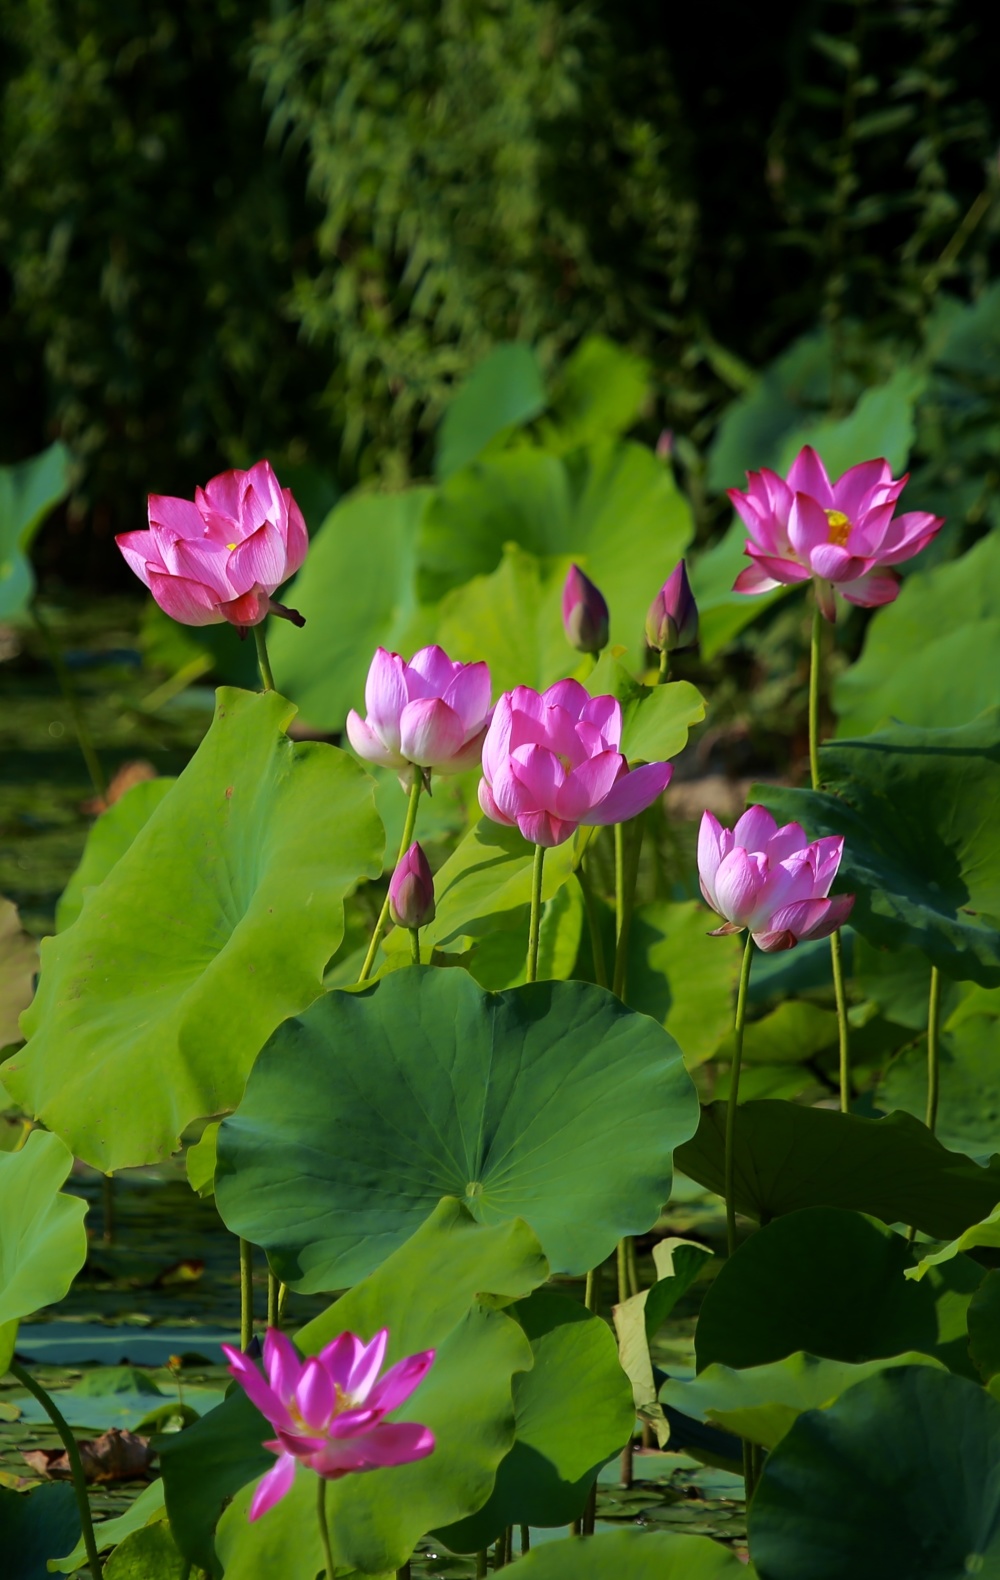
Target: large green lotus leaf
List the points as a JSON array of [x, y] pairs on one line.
[[613, 505], [968, 1118], [823, 1280], [986, 1233], [504, 391], [789, 1157], [898, 981], [551, 1102], [631, 1555], [357, 591], [512, 618], [18, 964], [573, 1410], [43, 1243], [215, 924], [147, 1506], [922, 844], [639, 1319], [984, 1326], [34, 1528], [464, 1271], [28, 491], [498, 959], [148, 1554], [901, 1476], [108, 840], [682, 977], [881, 424], [601, 389], [932, 657], [761, 1403]]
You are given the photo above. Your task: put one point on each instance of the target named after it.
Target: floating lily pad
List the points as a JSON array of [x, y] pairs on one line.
[[922, 847], [629, 1555], [215, 924], [551, 1102]]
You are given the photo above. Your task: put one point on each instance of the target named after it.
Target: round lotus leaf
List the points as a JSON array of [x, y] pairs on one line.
[[631, 1555], [551, 1102], [900, 1476]]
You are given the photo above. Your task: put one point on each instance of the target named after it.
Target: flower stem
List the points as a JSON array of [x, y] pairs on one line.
[[593, 926], [67, 686], [836, 951], [415, 945], [933, 1049], [534, 925], [75, 1463], [273, 1300], [246, 1294], [263, 662], [404, 845], [525, 1539], [734, 1090], [628, 848], [324, 1529], [664, 667], [592, 1289], [482, 1559]]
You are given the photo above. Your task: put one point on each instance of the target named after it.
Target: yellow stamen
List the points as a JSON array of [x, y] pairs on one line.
[[840, 527], [231, 546]]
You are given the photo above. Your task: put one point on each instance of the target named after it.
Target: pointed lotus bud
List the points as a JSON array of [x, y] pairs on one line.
[[411, 892], [665, 445], [585, 614], [672, 621]]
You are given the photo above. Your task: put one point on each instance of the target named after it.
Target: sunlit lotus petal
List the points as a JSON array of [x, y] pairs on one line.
[[770, 880], [431, 713]]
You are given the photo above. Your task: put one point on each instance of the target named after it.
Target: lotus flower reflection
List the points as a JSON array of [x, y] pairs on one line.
[[431, 713], [843, 535], [770, 879], [551, 762], [222, 556], [329, 1411]]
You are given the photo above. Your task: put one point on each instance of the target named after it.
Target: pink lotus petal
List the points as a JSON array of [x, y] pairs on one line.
[[272, 1487], [605, 714], [568, 694], [250, 608], [490, 807], [340, 1357], [787, 839], [400, 1381], [785, 883], [807, 475], [738, 882], [851, 493], [710, 854], [259, 561], [541, 776], [430, 672], [389, 1443], [468, 756], [544, 828], [496, 746], [368, 1365], [588, 785], [368, 745], [755, 580], [282, 1363], [469, 694], [297, 543], [908, 536], [385, 696], [631, 794], [184, 600], [259, 1392], [755, 515], [754, 829], [808, 527], [222, 494], [835, 564], [429, 732], [137, 548], [508, 794], [825, 855], [871, 590], [315, 1396], [201, 560], [178, 516]]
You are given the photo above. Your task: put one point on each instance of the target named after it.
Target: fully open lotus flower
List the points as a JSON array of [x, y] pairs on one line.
[[222, 556], [551, 762], [770, 879], [843, 535], [585, 613], [431, 713], [411, 890], [329, 1411]]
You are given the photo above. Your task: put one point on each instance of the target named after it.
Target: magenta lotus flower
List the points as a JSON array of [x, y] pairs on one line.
[[411, 890], [329, 1411], [551, 762], [224, 555], [430, 713], [770, 879], [672, 621], [585, 613], [843, 535]]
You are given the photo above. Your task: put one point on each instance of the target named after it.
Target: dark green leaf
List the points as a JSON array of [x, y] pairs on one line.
[[35, 1527], [629, 1555]]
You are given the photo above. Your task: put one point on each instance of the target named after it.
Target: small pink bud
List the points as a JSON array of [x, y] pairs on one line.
[[665, 445], [672, 621], [585, 613], [411, 891]]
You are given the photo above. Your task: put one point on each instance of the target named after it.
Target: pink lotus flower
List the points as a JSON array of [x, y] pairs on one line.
[[329, 1411], [222, 556], [841, 534], [411, 890], [771, 879], [551, 762], [585, 613], [430, 712], [672, 621]]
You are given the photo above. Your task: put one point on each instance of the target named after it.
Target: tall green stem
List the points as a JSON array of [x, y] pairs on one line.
[[404, 845], [415, 945], [534, 926], [324, 1529], [263, 662], [75, 1463], [593, 926], [734, 1091], [274, 1288], [836, 950], [628, 848], [664, 667], [933, 1049], [71, 697], [246, 1294]]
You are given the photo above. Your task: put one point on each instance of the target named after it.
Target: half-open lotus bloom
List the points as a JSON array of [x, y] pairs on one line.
[[551, 762], [843, 535], [430, 712], [770, 879], [222, 556], [329, 1411]]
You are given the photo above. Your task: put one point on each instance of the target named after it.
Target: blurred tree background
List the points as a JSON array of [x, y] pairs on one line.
[[230, 228]]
